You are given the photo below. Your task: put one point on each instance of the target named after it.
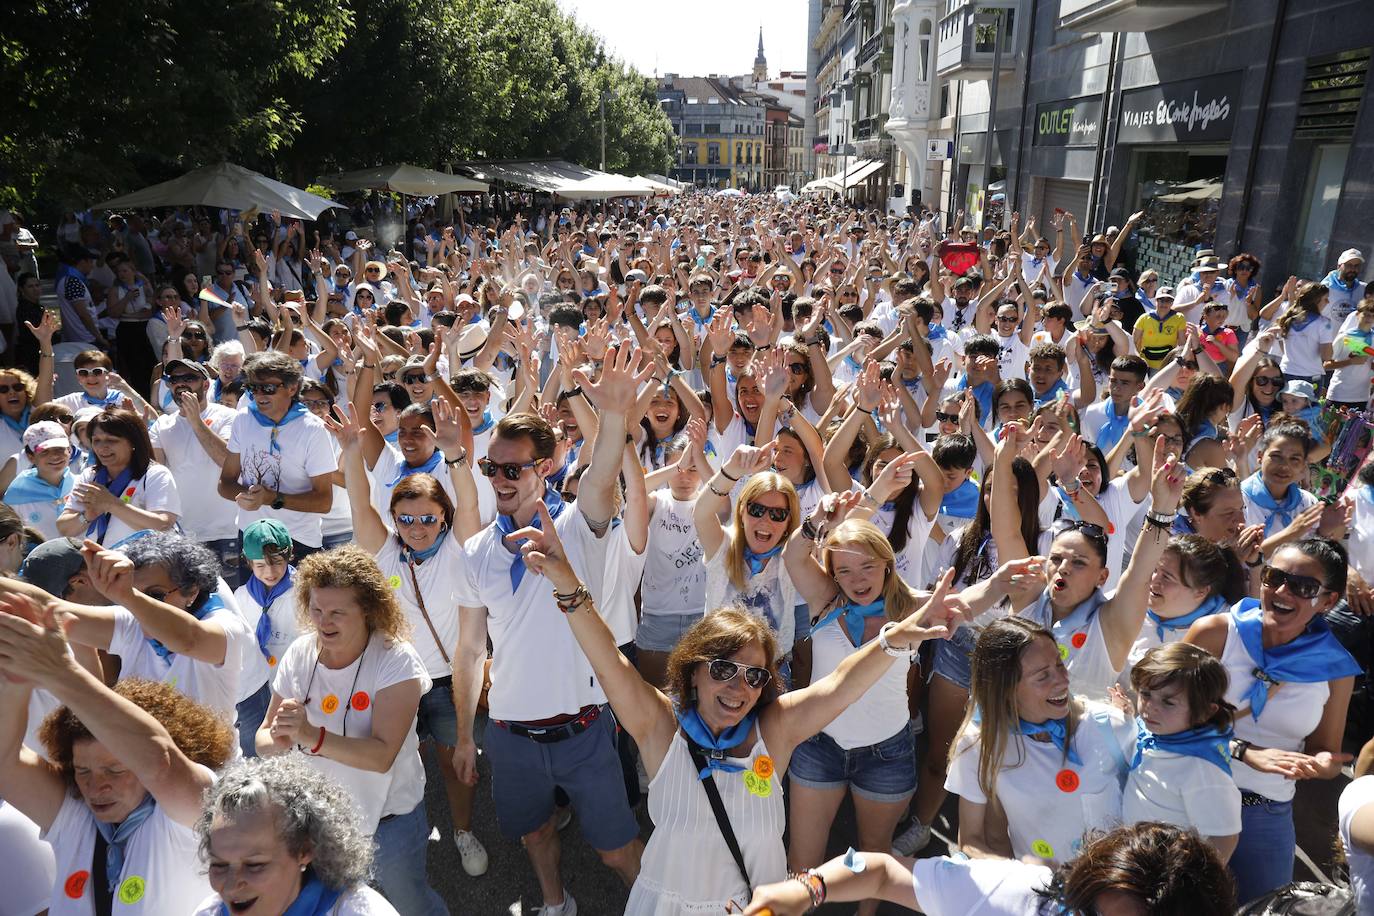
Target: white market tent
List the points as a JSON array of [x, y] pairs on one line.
[[655, 187], [229, 186], [404, 179], [822, 186], [604, 186]]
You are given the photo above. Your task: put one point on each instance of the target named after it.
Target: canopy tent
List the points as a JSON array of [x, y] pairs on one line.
[[655, 187], [540, 174], [604, 186], [667, 182], [404, 179], [1193, 192], [825, 185], [729, 192], [225, 185]]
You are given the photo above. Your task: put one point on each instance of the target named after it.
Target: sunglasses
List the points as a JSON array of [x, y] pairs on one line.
[[193, 335], [97, 372], [267, 388], [722, 669], [1087, 529], [1220, 476], [759, 510], [408, 520], [942, 417], [159, 594], [411, 379], [1189, 364], [381, 405], [183, 378], [6, 389], [509, 470], [1008, 317], [1268, 381], [797, 368], [1304, 587]]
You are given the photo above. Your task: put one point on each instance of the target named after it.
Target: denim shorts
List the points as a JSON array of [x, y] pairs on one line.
[[437, 717], [882, 772], [954, 657], [661, 632]]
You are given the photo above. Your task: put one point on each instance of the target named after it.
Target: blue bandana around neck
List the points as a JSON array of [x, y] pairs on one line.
[[420, 556], [698, 320], [1205, 742], [101, 523], [1212, 605], [1057, 729], [757, 561], [1333, 279], [111, 399], [394, 436], [1077, 620], [265, 598], [117, 836], [1114, 426], [211, 603], [983, 392], [714, 746], [314, 899], [28, 487], [852, 616], [1313, 657], [505, 525], [854, 363], [936, 332], [18, 425], [1305, 323], [405, 469], [1182, 525], [962, 502], [486, 424], [293, 413], [1311, 415], [1277, 514], [1050, 395]]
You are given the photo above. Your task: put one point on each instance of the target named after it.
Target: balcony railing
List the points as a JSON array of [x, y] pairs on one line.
[[1131, 15], [870, 48], [967, 45]]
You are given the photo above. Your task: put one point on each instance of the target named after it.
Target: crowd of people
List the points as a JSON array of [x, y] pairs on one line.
[[723, 506]]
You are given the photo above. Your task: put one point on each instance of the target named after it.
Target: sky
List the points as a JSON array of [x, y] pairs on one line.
[[697, 37]]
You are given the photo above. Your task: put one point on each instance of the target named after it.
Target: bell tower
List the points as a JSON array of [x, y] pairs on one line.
[[760, 63]]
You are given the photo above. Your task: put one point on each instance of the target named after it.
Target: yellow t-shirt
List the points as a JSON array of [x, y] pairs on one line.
[[1159, 336]]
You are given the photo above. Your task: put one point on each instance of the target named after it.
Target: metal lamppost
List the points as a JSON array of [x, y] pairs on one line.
[[602, 106]]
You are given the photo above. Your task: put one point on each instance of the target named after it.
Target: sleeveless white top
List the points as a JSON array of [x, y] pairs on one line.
[[687, 868], [1291, 714], [771, 594], [880, 713]]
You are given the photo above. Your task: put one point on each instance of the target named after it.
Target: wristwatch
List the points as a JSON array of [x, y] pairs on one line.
[[1238, 749], [280, 502]]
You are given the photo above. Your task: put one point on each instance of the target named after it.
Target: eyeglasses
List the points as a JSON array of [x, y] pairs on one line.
[[316, 404], [159, 595], [1269, 381], [723, 670], [797, 368], [759, 510], [1304, 587], [412, 379], [408, 520], [942, 417], [96, 372], [1008, 317], [1087, 529], [267, 388], [183, 378], [509, 470]]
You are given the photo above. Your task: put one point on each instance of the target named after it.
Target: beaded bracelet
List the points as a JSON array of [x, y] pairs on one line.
[[815, 887]]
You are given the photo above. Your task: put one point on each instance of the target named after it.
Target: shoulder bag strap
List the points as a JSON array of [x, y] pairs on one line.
[[101, 894], [420, 600], [718, 809]]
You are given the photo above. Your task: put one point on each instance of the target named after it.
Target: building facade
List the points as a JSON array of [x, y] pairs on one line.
[[720, 132]]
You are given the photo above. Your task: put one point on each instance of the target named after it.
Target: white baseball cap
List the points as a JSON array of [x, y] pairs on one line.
[[1350, 254], [45, 434]]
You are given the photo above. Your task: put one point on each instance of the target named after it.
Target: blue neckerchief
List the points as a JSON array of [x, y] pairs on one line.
[[1278, 515], [216, 386], [1305, 323], [962, 502], [1078, 619], [1050, 395], [1205, 742], [1182, 525], [1057, 729], [983, 392], [1206, 430], [1150, 307], [314, 899], [293, 413], [1311, 415], [1313, 657], [749, 428], [698, 320], [1174, 393], [265, 598], [912, 384], [17, 425], [28, 487], [854, 363], [1212, 605], [420, 556], [757, 561], [1266, 412], [111, 399], [852, 616], [101, 523], [404, 469], [1113, 428], [486, 424], [211, 603], [505, 525], [1333, 279], [936, 332], [715, 747], [117, 835], [394, 436]]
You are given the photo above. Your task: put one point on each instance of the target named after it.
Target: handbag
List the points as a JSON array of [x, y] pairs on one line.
[[722, 818]]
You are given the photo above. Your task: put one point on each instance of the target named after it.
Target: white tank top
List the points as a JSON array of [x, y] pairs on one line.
[[687, 868], [880, 713], [1291, 714]]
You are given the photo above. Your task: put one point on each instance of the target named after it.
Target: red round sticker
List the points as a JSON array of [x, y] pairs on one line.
[[1078, 640], [1066, 780], [75, 885], [361, 700]]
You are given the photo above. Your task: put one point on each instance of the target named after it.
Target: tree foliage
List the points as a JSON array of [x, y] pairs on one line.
[[103, 97]]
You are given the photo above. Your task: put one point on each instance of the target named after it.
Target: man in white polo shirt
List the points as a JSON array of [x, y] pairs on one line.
[[280, 462], [550, 725]]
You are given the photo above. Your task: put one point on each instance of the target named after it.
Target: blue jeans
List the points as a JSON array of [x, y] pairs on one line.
[[250, 715], [1263, 859], [400, 864]]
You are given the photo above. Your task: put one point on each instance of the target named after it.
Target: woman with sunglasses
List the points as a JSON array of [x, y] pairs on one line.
[[722, 719], [1256, 381], [126, 491], [19, 391], [1291, 681]]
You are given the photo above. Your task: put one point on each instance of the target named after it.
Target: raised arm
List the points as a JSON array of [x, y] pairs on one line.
[[369, 530]]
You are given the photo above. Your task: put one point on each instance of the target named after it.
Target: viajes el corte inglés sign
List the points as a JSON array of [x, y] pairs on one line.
[[1187, 111]]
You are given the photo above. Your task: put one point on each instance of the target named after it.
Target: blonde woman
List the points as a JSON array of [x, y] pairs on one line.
[[742, 562]]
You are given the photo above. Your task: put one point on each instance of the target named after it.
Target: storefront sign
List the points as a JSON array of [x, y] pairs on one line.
[[1188, 111], [1068, 123]]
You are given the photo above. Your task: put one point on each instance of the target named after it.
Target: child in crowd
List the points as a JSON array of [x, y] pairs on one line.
[[267, 603]]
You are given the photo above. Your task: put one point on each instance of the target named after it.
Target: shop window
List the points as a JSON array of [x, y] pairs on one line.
[[1179, 192], [1325, 176], [923, 52], [689, 153], [713, 154]]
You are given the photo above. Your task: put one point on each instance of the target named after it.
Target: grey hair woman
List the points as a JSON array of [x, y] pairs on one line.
[[190, 568], [277, 834]]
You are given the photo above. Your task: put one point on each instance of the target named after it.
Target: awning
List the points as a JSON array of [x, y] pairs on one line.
[[403, 179], [1193, 192], [599, 187], [869, 168], [225, 185], [822, 186], [540, 174]]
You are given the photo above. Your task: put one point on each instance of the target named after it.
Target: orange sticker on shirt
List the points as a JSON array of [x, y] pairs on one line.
[[763, 766], [361, 700], [1066, 780], [329, 704], [271, 661], [75, 885], [1078, 640]]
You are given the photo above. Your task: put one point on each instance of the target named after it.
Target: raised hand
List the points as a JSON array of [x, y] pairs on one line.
[[771, 371], [895, 477], [1166, 487], [1069, 458], [33, 649], [868, 388], [344, 426], [448, 427], [747, 460], [544, 553], [935, 619], [719, 331], [44, 332], [615, 390], [111, 572]]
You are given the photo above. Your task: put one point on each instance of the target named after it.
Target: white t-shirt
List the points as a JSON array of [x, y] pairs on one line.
[[26, 870], [155, 491], [537, 669], [1361, 541], [361, 901], [770, 594], [1302, 348], [674, 579], [257, 668], [302, 451], [1349, 383], [442, 578], [1012, 359], [978, 887], [348, 693], [1356, 796], [1184, 791], [624, 569], [208, 517], [161, 872]]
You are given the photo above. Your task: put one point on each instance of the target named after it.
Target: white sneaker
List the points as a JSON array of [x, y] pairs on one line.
[[567, 908], [473, 853], [564, 818], [911, 840]]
